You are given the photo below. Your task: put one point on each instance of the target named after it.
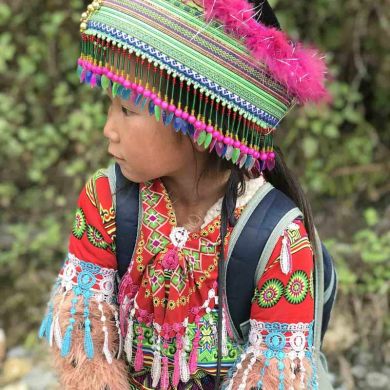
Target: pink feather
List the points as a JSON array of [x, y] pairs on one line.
[[299, 68]]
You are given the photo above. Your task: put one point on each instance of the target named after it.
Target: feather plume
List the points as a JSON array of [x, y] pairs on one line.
[[302, 70]]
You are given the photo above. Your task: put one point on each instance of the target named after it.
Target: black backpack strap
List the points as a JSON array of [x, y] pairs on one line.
[[330, 285], [264, 212], [127, 210]]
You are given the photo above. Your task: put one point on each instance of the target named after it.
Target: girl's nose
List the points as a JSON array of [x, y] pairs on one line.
[[110, 132]]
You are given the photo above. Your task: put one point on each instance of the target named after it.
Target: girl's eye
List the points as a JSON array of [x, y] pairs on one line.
[[126, 111]]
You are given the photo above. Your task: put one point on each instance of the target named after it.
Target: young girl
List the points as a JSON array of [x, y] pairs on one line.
[[197, 89]]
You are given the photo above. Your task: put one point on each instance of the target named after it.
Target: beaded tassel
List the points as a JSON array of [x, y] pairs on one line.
[[88, 344], [156, 365], [120, 337], [139, 356], [106, 350], [44, 330], [67, 341], [128, 347], [164, 384], [193, 360], [176, 360]]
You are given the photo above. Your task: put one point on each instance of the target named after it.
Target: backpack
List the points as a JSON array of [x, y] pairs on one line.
[[261, 223]]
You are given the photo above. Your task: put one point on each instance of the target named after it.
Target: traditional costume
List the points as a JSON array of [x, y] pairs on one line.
[[226, 80]]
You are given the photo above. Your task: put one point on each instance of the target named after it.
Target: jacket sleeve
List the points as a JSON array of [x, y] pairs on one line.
[[279, 352], [82, 321]]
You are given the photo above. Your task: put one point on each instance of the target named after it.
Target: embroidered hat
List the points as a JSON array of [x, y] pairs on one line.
[[212, 70]]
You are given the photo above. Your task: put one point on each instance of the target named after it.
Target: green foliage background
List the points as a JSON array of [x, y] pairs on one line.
[[51, 141]]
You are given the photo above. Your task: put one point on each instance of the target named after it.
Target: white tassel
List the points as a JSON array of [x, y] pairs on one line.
[[128, 347], [106, 350], [117, 324], [184, 369], [285, 255], [156, 368], [57, 332], [225, 350]]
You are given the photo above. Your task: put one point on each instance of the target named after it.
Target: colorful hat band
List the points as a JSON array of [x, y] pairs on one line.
[[235, 109]]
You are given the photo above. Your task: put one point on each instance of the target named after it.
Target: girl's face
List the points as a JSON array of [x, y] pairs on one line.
[[144, 148]]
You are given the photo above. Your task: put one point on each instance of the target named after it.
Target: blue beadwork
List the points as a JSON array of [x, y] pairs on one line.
[[82, 289]]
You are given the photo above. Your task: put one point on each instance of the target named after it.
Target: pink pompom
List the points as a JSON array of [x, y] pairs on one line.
[[115, 78], [242, 148], [271, 155], [263, 156], [164, 381], [178, 112], [110, 75], [256, 155], [121, 80], [216, 134], [198, 124], [301, 70], [185, 115], [171, 108], [209, 129], [157, 101], [237, 144], [191, 119], [147, 92], [140, 89], [139, 358], [164, 105]]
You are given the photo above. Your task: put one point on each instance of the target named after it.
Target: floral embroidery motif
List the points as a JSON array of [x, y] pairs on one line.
[[96, 238], [79, 224], [297, 287], [270, 293]]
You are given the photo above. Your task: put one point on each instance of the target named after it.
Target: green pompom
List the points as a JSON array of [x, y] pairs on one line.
[[202, 137], [209, 138], [105, 81], [235, 155], [157, 112]]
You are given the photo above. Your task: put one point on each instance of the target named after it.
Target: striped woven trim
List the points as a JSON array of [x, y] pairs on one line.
[[166, 36]]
